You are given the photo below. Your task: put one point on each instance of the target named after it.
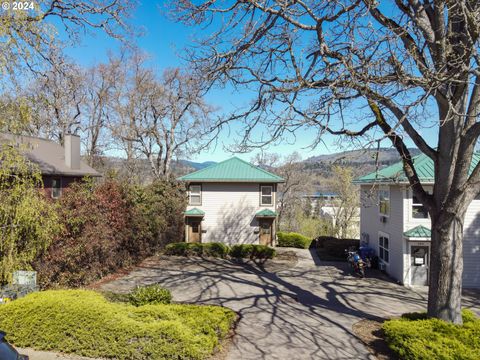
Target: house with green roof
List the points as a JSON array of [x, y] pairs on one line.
[[232, 202], [397, 226]]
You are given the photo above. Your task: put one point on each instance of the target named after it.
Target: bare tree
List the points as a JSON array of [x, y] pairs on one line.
[[401, 67], [35, 34], [99, 98], [57, 98], [159, 119], [289, 193]]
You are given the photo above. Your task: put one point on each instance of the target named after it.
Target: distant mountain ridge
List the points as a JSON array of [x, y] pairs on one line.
[[197, 165]]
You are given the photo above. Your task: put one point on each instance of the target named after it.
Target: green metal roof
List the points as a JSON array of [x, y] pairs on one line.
[[232, 170], [266, 213], [394, 173], [419, 231], [194, 212]]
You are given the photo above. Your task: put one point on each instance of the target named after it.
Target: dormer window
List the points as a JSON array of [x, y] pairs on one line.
[[266, 195], [195, 195]]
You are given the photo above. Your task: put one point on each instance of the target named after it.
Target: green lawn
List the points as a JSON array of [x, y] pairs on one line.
[[85, 323]]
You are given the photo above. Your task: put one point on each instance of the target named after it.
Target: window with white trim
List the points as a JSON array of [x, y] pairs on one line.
[[384, 201], [56, 188], [418, 210], [383, 247], [266, 195], [195, 195]]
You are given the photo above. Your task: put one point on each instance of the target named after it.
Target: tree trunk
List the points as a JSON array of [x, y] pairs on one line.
[[446, 267]]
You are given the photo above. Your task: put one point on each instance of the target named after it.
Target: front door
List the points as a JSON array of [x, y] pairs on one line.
[[194, 231], [419, 264], [266, 231]]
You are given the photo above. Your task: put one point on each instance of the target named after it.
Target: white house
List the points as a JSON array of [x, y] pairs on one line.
[[397, 226], [231, 202]]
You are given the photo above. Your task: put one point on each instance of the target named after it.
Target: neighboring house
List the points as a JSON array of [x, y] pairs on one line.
[[324, 205], [398, 227], [59, 166], [232, 202]]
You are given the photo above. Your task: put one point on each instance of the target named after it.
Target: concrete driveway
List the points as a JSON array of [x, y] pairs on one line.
[[304, 312]]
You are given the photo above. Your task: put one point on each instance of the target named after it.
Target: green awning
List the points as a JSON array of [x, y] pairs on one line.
[[266, 213], [419, 231], [194, 212]]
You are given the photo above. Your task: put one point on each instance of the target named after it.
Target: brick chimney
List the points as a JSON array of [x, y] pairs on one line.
[[72, 151]]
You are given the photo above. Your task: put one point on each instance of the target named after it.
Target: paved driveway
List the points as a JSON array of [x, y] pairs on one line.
[[305, 312]]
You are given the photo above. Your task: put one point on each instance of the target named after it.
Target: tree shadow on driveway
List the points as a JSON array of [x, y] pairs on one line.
[[299, 313]]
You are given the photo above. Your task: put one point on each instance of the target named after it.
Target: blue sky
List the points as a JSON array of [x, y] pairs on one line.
[[164, 40]]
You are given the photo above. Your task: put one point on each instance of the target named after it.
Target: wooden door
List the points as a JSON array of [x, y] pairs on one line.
[[194, 231], [266, 232]]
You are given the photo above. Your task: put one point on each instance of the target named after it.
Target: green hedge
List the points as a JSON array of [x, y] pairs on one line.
[[252, 251], [414, 336], [83, 322], [220, 250], [293, 240]]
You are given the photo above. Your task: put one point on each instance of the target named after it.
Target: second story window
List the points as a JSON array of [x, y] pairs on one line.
[[418, 210], [266, 195], [384, 201], [195, 195], [56, 188]]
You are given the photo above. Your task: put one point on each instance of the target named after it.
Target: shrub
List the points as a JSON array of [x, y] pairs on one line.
[[85, 323], [251, 251], [293, 240], [336, 247], [216, 250], [177, 249], [241, 251], [109, 226], [414, 336], [152, 294], [263, 252]]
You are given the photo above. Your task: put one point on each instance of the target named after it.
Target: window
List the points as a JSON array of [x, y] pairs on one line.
[[266, 196], [56, 188], [383, 246], [384, 201], [195, 195], [418, 210]]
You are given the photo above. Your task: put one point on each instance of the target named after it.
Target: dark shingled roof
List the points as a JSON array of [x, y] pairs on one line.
[[48, 155]]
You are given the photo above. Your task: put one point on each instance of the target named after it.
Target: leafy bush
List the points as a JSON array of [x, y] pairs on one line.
[[263, 252], [85, 323], [177, 249], [28, 221], [216, 250], [293, 240], [414, 336], [220, 250], [109, 226], [252, 251], [197, 249], [241, 251], [152, 294]]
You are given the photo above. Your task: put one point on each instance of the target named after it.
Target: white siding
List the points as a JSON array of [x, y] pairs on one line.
[[370, 224], [471, 246], [230, 210]]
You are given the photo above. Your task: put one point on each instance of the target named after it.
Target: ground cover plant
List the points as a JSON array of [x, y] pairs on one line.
[[293, 240], [85, 323], [151, 294], [414, 336]]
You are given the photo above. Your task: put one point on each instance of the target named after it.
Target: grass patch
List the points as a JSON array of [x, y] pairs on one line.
[[414, 336], [293, 240], [84, 322]]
